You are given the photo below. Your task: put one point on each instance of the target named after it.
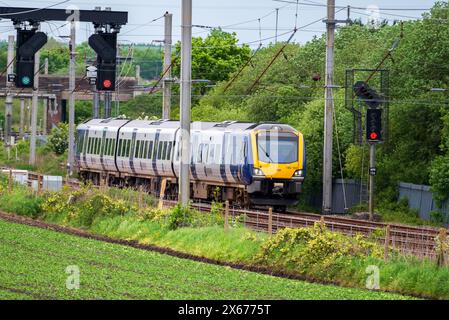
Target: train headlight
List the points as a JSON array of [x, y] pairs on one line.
[[298, 174], [258, 172]]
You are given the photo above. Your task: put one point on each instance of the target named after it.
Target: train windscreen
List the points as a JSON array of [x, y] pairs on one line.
[[277, 147]]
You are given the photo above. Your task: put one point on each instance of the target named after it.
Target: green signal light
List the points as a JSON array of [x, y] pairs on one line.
[[26, 80]]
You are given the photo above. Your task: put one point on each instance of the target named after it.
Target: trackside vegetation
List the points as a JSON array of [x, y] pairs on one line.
[[313, 253]]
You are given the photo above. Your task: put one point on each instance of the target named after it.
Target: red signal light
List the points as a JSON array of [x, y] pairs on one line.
[[373, 136], [107, 84]]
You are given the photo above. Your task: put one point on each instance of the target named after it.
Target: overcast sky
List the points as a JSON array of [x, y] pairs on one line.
[[241, 17]]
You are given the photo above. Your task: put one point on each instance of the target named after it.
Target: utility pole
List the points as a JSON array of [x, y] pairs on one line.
[[46, 66], [34, 107], [95, 103], [72, 49], [108, 95], [107, 104], [277, 20], [186, 79], [45, 111], [166, 95], [138, 74], [9, 97], [22, 117], [372, 165], [329, 109]]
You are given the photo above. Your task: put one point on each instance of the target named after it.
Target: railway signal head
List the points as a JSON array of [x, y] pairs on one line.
[[105, 45], [374, 125], [367, 94], [28, 43]]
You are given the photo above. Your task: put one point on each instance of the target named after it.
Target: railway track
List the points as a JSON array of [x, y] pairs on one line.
[[416, 241]]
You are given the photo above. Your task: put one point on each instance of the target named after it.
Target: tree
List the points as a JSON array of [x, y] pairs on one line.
[[58, 140], [439, 179], [215, 57]]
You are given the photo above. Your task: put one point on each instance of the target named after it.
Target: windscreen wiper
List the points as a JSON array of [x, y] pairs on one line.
[[267, 154]]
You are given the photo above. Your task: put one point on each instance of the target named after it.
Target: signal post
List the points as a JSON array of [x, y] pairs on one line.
[[374, 132]]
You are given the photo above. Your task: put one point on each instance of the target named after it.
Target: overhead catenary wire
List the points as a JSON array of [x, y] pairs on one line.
[[144, 24], [230, 82], [281, 50]]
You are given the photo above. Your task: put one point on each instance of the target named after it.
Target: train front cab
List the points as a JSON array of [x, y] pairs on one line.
[[278, 166]]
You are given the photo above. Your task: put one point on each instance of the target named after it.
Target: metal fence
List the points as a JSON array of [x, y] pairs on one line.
[[49, 183], [421, 199], [345, 195]]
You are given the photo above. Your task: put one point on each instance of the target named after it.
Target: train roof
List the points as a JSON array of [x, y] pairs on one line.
[[110, 122], [196, 125]]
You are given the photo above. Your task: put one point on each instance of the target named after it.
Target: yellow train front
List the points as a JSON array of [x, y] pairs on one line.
[[278, 165]]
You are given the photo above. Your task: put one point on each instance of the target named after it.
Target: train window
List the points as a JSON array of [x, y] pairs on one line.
[[234, 150], [98, 146], [113, 146], [94, 145], [155, 150], [277, 147], [83, 146], [159, 151], [169, 150], [142, 149], [150, 150], [164, 151], [109, 147], [136, 151], [206, 153], [145, 150], [217, 153], [199, 157], [103, 146], [128, 148], [211, 153], [119, 151], [88, 145], [139, 150], [79, 144]]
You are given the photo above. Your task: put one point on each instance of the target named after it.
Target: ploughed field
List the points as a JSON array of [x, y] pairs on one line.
[[41, 264]]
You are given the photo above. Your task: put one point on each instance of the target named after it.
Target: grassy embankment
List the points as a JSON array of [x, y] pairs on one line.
[[47, 162], [313, 253], [34, 266]]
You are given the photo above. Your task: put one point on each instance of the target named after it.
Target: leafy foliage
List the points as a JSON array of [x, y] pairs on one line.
[[314, 248], [215, 57], [58, 138], [439, 178]]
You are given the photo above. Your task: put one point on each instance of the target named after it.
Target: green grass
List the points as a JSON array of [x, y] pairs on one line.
[[34, 262], [47, 162]]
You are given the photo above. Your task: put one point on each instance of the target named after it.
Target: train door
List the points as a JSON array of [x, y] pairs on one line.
[[214, 159]]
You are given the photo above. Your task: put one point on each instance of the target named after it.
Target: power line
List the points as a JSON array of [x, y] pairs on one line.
[[142, 25], [315, 4]]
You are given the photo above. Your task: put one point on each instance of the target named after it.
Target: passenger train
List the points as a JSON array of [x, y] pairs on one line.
[[249, 164]]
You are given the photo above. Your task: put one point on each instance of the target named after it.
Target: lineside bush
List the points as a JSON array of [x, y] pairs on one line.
[[316, 249]]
